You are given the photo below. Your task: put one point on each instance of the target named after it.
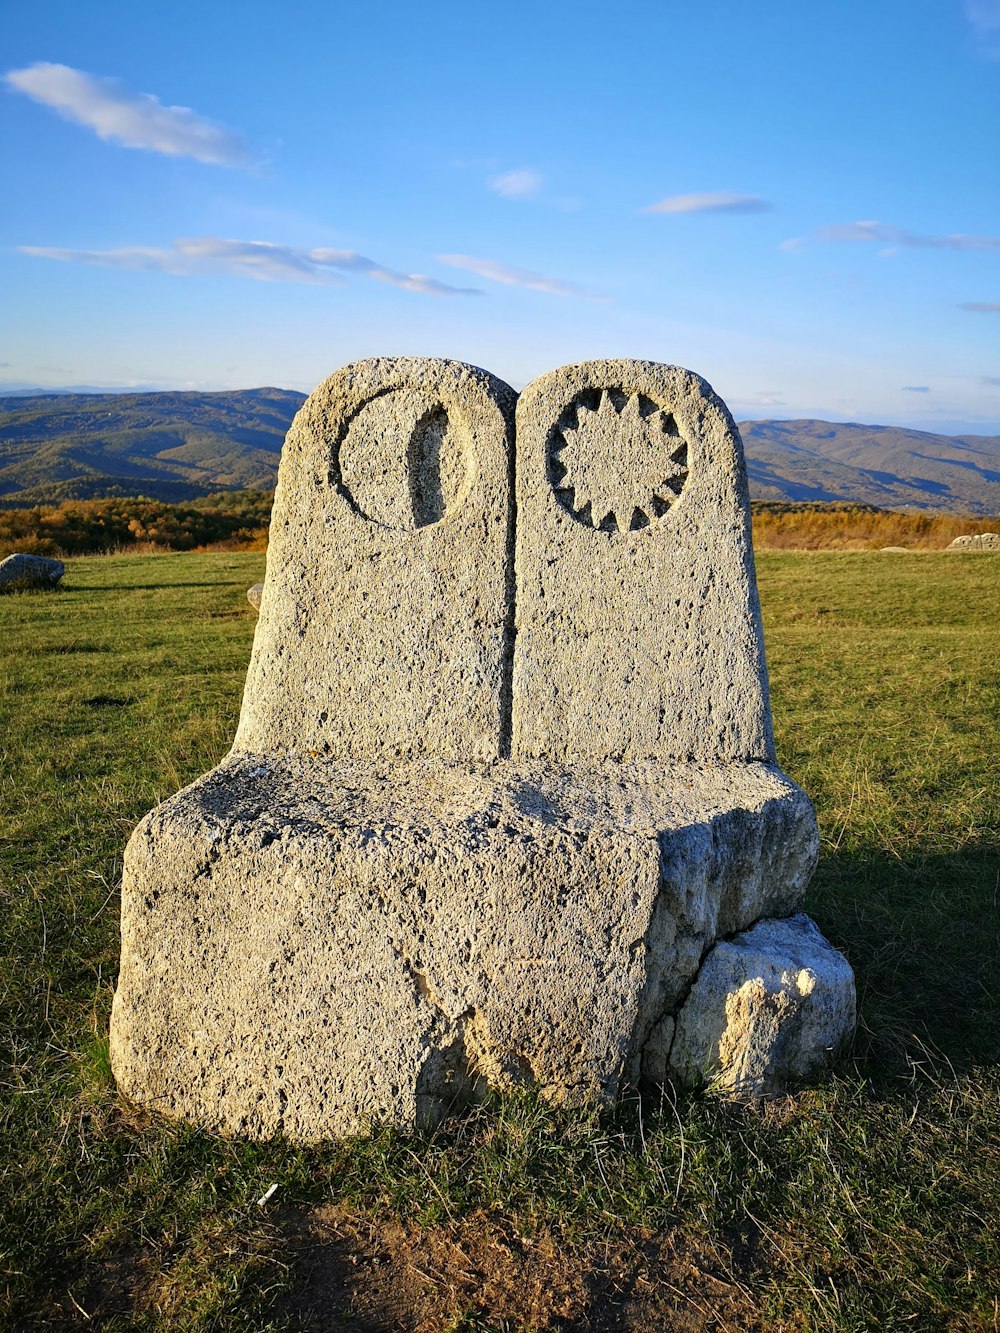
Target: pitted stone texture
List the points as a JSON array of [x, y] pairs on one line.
[[977, 541], [38, 569], [638, 624], [443, 855], [767, 1008], [254, 595], [384, 624], [309, 946]]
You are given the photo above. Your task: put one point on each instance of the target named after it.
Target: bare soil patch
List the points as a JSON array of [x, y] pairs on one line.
[[479, 1273]]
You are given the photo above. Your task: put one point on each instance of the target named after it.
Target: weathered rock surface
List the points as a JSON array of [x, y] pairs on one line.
[[638, 624], [254, 595], [307, 945], [493, 794], [766, 1009], [27, 569], [977, 541], [387, 583]]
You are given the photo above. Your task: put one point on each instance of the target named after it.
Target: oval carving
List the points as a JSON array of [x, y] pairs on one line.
[[403, 460]]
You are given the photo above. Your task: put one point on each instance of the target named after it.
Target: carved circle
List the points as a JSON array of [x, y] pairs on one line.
[[403, 460], [616, 461]]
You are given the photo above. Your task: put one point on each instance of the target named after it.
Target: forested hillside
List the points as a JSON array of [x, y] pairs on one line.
[[167, 446], [176, 447]]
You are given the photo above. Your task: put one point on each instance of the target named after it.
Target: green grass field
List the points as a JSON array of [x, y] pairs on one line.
[[869, 1202]]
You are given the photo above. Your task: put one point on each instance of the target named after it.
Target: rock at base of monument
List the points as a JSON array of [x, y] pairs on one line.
[[767, 1009], [30, 571], [311, 946], [977, 541], [254, 595]]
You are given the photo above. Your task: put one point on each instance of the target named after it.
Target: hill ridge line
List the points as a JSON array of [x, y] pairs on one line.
[[179, 444]]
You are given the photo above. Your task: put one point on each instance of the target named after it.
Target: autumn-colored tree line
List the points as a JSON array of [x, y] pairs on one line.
[[86, 527], [239, 519], [840, 526]]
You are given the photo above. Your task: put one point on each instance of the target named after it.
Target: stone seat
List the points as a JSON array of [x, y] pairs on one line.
[[424, 930], [504, 780]]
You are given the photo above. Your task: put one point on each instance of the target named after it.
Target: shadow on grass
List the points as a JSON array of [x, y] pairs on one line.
[[152, 587], [923, 935]]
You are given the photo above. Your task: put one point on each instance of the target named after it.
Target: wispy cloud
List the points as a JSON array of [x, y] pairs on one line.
[[982, 307], [134, 120], [510, 276], [519, 184], [984, 16], [766, 398], [260, 260], [885, 233], [916, 388], [709, 203], [992, 381]]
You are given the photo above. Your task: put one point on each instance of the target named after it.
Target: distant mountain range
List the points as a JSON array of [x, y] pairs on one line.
[[169, 446], [880, 465], [178, 446]]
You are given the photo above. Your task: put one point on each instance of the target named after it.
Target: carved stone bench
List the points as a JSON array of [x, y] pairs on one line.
[[503, 777]]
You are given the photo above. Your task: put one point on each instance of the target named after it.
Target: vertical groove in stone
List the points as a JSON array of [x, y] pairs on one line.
[[510, 585]]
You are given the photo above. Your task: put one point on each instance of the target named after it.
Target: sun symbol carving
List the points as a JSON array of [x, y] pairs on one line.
[[616, 461]]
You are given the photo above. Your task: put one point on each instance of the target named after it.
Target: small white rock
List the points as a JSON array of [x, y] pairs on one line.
[[767, 1008]]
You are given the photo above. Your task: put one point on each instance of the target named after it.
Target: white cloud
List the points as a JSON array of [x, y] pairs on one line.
[[982, 307], [916, 388], [519, 184], [518, 277], [134, 120], [767, 398], [260, 260], [885, 233], [709, 203]]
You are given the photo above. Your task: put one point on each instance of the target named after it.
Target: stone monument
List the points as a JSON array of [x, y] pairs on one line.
[[503, 784]]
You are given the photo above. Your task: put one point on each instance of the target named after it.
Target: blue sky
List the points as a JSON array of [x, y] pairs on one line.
[[800, 201]]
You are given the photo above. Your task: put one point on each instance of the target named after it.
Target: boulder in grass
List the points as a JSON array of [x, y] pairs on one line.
[[30, 571], [976, 541], [767, 1008], [254, 595]]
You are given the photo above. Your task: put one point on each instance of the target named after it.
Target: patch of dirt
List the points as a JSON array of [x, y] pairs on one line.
[[478, 1275], [332, 1268]]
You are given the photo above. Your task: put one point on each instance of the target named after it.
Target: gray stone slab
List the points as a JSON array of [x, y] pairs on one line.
[[386, 589], [310, 946], [638, 624]]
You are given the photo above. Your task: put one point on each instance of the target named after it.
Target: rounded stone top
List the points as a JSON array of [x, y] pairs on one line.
[[402, 437]]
